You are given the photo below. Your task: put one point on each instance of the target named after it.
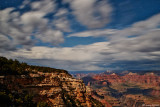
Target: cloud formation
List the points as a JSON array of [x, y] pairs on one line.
[[45, 23], [25, 29], [92, 13], [133, 43], [143, 46], [93, 56], [136, 29], [21, 28], [94, 33], [81, 57]]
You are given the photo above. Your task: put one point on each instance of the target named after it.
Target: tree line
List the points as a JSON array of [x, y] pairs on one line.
[[14, 67]]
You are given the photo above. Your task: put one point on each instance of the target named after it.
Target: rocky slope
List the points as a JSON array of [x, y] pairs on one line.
[[52, 87], [129, 90]]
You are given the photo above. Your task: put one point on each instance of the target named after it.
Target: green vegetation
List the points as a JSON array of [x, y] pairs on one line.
[[13, 99], [47, 69], [14, 67]]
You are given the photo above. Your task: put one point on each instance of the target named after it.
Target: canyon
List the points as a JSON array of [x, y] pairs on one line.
[[57, 89], [23, 85], [127, 90]]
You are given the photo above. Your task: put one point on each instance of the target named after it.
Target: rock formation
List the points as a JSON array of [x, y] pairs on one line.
[[57, 89], [31, 86], [129, 90]]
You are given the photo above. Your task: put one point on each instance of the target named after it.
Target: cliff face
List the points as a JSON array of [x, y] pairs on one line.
[[113, 78], [23, 85], [130, 90], [57, 89], [147, 79]]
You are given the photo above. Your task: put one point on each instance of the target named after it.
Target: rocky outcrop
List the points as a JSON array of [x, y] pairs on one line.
[[57, 89], [30, 86]]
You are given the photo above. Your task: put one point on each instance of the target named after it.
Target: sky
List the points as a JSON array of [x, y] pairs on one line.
[[82, 35]]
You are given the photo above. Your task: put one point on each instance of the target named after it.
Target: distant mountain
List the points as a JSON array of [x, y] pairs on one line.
[[140, 72]]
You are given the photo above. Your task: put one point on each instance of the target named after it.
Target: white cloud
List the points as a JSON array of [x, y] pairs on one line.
[[18, 29], [91, 13], [61, 12], [138, 28], [95, 33], [51, 36], [33, 20], [61, 21], [133, 43], [82, 57], [89, 57], [5, 16], [21, 27], [80, 53], [25, 2], [62, 24], [84, 67], [148, 42], [45, 6]]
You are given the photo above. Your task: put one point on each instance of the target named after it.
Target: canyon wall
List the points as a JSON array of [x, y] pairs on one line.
[[56, 89]]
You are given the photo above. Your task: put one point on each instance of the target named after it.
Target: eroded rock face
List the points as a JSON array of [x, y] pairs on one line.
[[152, 80], [57, 89], [113, 78], [147, 79], [130, 90]]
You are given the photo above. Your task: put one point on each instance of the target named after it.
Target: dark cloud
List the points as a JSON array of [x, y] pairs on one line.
[[136, 65]]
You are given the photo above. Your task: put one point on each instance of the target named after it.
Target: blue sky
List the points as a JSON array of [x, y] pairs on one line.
[[82, 35]]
